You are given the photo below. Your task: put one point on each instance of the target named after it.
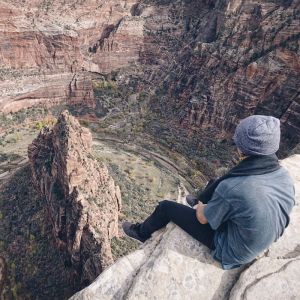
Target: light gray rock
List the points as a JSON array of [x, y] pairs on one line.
[[172, 265], [289, 244], [179, 267], [269, 279]]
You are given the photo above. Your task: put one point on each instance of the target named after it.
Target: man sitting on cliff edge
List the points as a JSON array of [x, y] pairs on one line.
[[242, 213]]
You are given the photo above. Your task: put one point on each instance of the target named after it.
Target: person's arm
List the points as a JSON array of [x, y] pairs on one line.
[[215, 212], [200, 213]]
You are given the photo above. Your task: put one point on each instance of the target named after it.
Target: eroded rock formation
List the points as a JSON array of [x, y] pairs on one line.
[[47, 45], [172, 265], [213, 62], [233, 59], [81, 199]]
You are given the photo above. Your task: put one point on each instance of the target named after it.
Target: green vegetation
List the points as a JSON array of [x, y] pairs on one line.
[[84, 123], [104, 85], [35, 113], [47, 122], [143, 183], [36, 269], [121, 247]]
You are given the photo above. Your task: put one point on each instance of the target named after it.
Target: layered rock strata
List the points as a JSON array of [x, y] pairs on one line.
[[45, 47], [212, 62], [172, 265], [81, 199], [233, 59], [47, 90]]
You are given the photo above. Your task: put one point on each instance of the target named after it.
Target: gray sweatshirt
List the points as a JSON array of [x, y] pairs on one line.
[[249, 213]]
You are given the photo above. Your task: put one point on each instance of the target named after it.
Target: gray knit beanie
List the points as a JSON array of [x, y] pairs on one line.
[[258, 135]]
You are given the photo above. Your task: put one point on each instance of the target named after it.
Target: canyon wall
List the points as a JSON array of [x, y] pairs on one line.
[[47, 45], [212, 62], [233, 59]]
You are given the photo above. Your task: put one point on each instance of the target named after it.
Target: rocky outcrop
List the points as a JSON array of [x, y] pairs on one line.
[[48, 90], [81, 199], [172, 265]]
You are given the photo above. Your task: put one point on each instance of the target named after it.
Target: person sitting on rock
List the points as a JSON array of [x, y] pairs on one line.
[[242, 213]]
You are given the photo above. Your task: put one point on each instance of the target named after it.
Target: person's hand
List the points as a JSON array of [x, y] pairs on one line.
[[200, 213], [198, 201]]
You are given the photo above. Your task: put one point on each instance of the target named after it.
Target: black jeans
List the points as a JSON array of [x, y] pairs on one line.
[[181, 215]]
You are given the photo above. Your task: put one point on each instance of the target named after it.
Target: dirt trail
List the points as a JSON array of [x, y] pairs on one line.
[[7, 168], [151, 155]]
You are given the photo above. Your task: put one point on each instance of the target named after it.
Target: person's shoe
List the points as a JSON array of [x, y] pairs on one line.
[[131, 231], [191, 200]]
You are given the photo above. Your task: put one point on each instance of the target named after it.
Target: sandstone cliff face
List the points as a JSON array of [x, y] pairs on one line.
[[81, 199], [55, 35], [212, 62], [232, 59], [172, 265], [53, 42]]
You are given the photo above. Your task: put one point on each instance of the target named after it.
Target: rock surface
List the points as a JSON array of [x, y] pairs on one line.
[[81, 198], [46, 46], [3, 276], [172, 265], [233, 59]]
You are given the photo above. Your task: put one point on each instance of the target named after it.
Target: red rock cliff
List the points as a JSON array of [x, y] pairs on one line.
[[213, 62], [81, 198], [227, 60], [44, 46]]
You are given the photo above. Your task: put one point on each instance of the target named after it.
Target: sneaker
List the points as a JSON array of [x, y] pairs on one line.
[[131, 231], [191, 200]]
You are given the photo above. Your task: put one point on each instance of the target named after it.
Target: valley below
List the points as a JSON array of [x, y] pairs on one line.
[[108, 107], [146, 173]]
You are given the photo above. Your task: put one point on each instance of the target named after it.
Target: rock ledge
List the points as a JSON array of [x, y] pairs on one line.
[[172, 265]]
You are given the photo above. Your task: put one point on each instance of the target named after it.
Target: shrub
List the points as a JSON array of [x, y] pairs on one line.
[[45, 123], [84, 123], [104, 85]]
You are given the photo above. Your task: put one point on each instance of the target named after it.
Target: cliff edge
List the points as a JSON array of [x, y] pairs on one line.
[[172, 265]]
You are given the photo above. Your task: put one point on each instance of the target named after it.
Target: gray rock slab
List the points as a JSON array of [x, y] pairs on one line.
[[173, 265]]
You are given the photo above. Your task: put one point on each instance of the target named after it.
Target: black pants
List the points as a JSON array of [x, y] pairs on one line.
[[181, 215]]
